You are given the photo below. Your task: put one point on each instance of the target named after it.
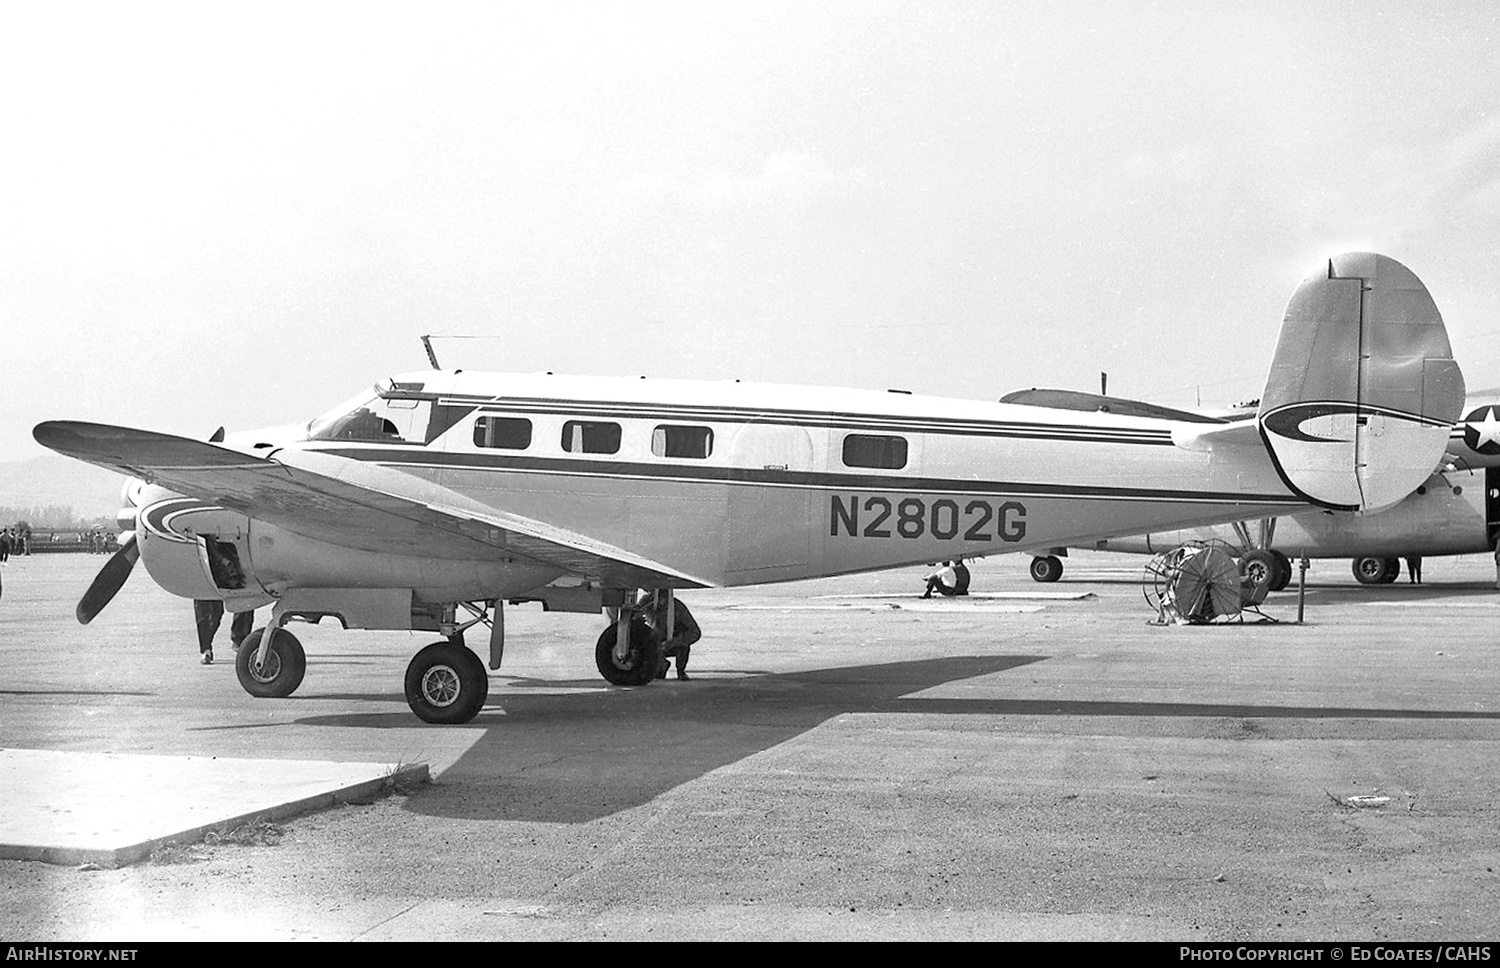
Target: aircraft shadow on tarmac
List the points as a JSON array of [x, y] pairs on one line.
[[581, 757]]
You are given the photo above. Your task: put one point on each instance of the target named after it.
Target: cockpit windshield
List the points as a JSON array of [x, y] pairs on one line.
[[387, 413]]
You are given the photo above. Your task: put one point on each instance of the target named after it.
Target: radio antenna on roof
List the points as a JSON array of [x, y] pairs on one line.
[[431, 356]]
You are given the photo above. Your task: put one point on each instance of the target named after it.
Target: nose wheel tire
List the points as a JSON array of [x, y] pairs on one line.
[[279, 674], [639, 666], [446, 684]]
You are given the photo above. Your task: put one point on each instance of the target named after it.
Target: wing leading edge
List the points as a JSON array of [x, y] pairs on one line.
[[352, 503]]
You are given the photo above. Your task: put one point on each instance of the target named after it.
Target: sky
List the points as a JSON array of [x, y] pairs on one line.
[[240, 214]]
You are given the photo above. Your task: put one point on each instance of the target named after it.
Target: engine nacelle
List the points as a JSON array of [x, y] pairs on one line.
[[199, 550], [194, 549]]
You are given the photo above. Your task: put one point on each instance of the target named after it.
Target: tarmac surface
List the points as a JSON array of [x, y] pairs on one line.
[[848, 762]]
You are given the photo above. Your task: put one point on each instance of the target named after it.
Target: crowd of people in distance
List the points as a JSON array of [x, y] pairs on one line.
[[18, 540], [14, 541]]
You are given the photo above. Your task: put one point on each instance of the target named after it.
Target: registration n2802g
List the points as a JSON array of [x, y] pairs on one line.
[[878, 516]]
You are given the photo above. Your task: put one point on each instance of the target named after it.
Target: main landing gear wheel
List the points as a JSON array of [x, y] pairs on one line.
[[1046, 568], [639, 666], [1376, 571], [279, 675], [1283, 571], [1267, 571], [446, 684]]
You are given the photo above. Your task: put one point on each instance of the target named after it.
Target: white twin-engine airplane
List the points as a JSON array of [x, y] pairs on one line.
[[433, 499]]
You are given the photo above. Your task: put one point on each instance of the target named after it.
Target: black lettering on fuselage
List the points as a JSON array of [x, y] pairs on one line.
[[915, 518], [839, 514], [979, 530], [1012, 521]]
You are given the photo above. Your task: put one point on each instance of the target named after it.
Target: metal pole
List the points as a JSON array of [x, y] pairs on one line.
[[1301, 586]]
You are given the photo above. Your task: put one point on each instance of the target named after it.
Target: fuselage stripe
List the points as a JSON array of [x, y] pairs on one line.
[[768, 477], [821, 420]]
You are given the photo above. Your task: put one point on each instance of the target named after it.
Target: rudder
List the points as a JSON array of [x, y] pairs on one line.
[[1363, 389]]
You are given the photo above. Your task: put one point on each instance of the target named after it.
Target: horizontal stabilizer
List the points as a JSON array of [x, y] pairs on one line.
[[1363, 390], [1207, 437]]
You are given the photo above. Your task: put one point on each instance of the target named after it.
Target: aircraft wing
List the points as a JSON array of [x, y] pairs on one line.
[[352, 503]]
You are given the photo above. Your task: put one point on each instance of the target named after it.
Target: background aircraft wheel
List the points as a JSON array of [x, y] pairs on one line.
[[1375, 571], [1283, 571], [280, 674], [639, 667], [446, 684], [1046, 568], [1262, 570]]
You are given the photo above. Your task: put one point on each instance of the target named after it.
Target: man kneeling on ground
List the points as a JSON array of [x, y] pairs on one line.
[[678, 640]]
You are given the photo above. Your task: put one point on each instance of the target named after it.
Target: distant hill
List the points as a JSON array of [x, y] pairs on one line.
[[56, 481]]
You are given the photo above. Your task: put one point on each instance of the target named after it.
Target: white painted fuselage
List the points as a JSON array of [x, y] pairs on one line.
[[734, 483]]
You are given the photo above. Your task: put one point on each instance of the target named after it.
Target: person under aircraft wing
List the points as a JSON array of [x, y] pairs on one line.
[[352, 503]]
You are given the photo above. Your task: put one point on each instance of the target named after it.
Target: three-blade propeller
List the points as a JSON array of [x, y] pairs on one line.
[[108, 581]]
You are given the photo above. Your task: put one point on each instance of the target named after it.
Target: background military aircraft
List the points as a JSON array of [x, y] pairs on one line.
[[1456, 511]]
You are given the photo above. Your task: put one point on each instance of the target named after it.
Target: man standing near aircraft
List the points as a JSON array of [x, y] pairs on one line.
[[208, 613]]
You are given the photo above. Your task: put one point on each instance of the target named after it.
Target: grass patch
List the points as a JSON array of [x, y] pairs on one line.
[[402, 779]]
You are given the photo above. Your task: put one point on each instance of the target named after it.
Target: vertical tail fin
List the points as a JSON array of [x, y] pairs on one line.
[[1363, 390]]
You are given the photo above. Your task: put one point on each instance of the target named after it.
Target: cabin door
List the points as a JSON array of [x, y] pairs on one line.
[[770, 517]]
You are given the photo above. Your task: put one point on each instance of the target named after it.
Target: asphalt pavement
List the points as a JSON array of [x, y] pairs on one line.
[[848, 762]]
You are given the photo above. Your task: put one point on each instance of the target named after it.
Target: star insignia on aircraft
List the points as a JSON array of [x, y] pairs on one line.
[[1482, 430]]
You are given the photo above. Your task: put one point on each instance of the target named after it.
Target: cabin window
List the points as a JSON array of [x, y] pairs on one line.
[[868, 450], [673, 440], [506, 433], [588, 437]]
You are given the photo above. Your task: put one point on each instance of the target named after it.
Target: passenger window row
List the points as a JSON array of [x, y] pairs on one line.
[[669, 440], [594, 437]]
